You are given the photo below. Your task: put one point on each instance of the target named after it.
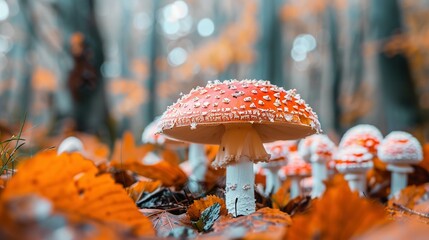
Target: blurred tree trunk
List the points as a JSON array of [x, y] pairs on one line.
[[85, 82], [398, 96]]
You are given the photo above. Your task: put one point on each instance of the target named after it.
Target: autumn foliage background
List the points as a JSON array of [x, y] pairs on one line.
[[104, 69]]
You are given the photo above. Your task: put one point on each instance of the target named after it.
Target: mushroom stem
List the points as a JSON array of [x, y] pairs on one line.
[[399, 177], [319, 173], [357, 182], [197, 161], [272, 181], [240, 181], [295, 188], [240, 147]]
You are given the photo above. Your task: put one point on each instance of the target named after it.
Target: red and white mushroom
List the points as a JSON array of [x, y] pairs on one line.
[[278, 151], [295, 170], [354, 161], [364, 135], [239, 116], [304, 146], [400, 150], [321, 150]]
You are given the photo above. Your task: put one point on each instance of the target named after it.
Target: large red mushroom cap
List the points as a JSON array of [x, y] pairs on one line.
[[276, 114], [364, 135], [400, 148], [353, 159]]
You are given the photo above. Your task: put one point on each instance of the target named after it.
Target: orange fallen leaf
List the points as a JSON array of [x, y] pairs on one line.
[[128, 156], [136, 190], [281, 198], [409, 196], [425, 163], [198, 206], [338, 214], [74, 187], [266, 223]]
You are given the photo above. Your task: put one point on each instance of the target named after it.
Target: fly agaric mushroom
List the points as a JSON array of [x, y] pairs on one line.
[[321, 150], [304, 146], [69, 145], [399, 150], [354, 161], [364, 135], [278, 151], [239, 116], [295, 170]]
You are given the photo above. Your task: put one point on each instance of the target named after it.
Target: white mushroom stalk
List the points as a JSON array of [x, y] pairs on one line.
[[239, 148], [279, 151], [399, 150], [70, 145], [198, 162], [354, 161], [322, 149], [239, 116], [295, 170]]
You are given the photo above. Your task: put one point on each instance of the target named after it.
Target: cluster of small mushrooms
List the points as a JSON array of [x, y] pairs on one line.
[[256, 122]]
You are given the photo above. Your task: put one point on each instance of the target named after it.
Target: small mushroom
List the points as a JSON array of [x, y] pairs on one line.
[[304, 146], [296, 170], [240, 131], [279, 151], [364, 135], [70, 145], [399, 150], [322, 150], [354, 161]]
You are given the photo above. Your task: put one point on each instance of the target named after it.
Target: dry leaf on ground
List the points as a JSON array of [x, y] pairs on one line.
[[198, 206], [338, 214], [73, 186], [164, 222], [266, 223], [138, 188], [281, 198]]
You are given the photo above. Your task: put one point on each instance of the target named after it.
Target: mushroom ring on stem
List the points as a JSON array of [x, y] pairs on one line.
[[399, 150], [239, 116]]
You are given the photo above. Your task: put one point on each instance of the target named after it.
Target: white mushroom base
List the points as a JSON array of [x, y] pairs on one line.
[[399, 178], [198, 163], [239, 192], [319, 173], [357, 182], [295, 187], [272, 181]]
